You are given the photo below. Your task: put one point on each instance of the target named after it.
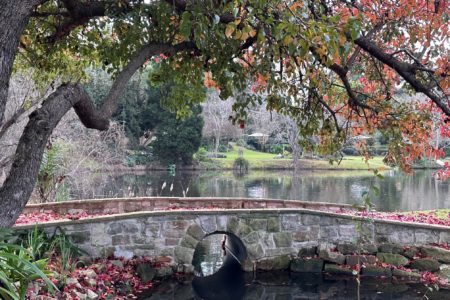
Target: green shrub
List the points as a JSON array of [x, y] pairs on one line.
[[18, 268], [223, 148], [241, 165], [201, 155]]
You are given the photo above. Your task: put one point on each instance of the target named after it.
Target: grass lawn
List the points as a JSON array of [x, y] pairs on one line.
[[261, 160]]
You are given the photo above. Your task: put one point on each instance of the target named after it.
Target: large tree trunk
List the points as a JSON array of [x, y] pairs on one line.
[[19, 185], [14, 16]]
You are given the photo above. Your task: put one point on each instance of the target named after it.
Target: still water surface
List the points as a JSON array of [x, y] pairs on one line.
[[285, 286], [219, 280], [398, 192]]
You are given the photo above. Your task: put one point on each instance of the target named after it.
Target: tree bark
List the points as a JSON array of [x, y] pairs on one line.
[[19, 185], [14, 17]]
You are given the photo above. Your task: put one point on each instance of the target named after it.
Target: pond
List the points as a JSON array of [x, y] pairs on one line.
[[219, 277], [282, 285], [398, 192]]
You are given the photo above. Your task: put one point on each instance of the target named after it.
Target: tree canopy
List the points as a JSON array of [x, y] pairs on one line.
[[335, 66]]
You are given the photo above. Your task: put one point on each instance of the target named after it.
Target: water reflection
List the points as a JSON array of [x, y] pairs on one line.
[[277, 285], [398, 192]]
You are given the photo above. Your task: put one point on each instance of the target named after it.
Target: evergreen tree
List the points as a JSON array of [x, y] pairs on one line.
[[177, 139]]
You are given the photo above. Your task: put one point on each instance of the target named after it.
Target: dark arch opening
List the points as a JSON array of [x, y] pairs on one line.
[[226, 282]]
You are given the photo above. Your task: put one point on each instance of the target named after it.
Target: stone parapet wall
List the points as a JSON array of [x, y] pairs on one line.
[[126, 205], [268, 233]]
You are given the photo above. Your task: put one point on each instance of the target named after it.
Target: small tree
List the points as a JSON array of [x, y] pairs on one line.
[[176, 139]]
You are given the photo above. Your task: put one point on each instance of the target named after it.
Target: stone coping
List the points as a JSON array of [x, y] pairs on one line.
[[176, 200], [268, 211]]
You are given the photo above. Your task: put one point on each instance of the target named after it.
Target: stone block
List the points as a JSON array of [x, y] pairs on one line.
[[376, 271], [392, 259], [266, 240], [329, 233], [183, 255], [337, 270], [188, 242], [208, 223], [390, 248], [171, 242], [130, 226], [409, 274], [233, 224], [307, 251], [255, 251], [327, 221], [252, 237], [384, 229], [345, 221], [196, 232], [279, 252], [99, 237], [347, 248], [80, 237], [426, 236], [306, 233], [164, 272], [114, 228], [314, 265], [274, 263], [425, 264], [273, 224], [178, 225], [153, 230], [248, 265], [410, 252], [310, 219], [403, 236], [145, 272], [243, 229], [120, 240], [290, 222], [138, 239], [258, 224], [222, 222], [444, 237], [125, 253], [173, 233], [368, 249], [354, 260], [282, 239], [437, 253], [444, 272], [348, 231], [332, 256], [366, 232]]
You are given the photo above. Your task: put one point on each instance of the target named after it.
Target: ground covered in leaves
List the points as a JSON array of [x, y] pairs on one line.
[[434, 217], [111, 278]]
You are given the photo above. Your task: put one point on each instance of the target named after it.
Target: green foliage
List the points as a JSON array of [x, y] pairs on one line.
[[19, 267], [131, 102], [241, 165], [49, 175], [176, 139], [139, 157], [201, 155]]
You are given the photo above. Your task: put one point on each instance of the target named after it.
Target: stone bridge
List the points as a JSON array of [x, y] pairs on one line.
[[272, 230]]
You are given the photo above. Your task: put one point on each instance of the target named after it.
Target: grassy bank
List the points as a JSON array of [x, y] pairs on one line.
[[261, 160]]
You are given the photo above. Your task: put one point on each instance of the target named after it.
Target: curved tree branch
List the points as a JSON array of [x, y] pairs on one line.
[[405, 70], [18, 186]]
